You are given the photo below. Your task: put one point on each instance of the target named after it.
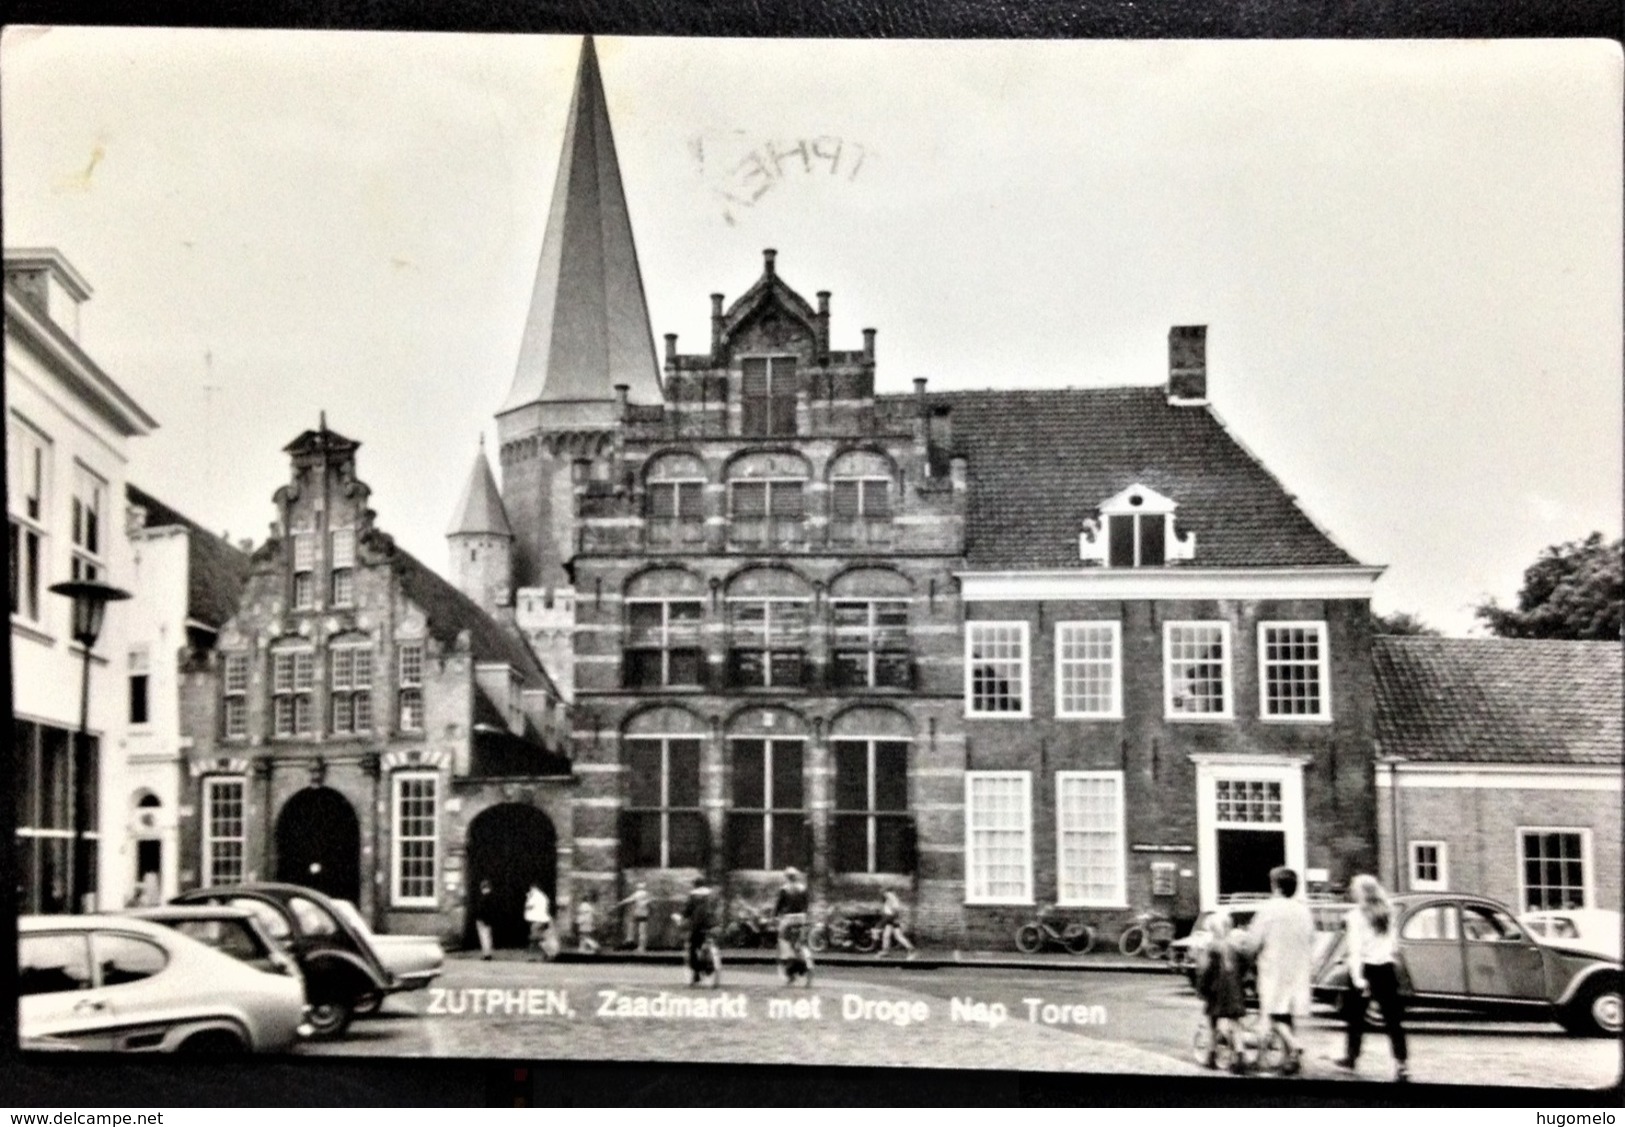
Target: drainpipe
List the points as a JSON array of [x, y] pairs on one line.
[[1393, 826]]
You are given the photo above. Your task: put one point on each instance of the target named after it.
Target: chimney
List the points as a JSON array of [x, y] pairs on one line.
[[823, 323], [869, 345], [768, 256], [716, 324], [622, 391], [1187, 364], [671, 347]]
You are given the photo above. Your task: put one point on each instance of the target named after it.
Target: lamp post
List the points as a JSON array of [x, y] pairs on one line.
[[89, 608]]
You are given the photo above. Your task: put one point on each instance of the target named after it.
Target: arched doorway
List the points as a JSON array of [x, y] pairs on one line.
[[318, 843], [511, 845]]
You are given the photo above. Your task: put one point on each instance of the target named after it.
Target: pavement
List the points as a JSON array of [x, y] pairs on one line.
[[924, 960]]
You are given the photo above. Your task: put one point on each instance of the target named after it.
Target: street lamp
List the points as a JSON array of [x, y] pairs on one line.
[[89, 608]]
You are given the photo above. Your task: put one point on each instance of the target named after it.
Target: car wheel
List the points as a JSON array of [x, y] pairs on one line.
[[213, 1043], [1596, 1012], [329, 1018], [368, 1004]]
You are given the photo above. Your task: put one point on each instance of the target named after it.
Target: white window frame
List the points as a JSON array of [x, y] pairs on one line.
[[405, 685], [1121, 830], [23, 439], [972, 626], [769, 602], [1442, 851], [1227, 712], [1211, 767], [229, 694], [295, 689], [1114, 710], [665, 645], [211, 785], [341, 561], [870, 632], [305, 550], [396, 897], [90, 496], [357, 686], [971, 857], [1323, 672], [1588, 878]]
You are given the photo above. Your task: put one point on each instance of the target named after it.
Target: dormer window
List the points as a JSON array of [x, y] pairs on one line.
[[1135, 529], [769, 396]]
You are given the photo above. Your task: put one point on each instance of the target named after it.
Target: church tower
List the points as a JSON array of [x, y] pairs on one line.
[[587, 348], [480, 542]]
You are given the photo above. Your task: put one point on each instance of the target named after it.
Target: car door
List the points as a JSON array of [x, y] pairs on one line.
[[1430, 947], [1502, 960], [56, 988]]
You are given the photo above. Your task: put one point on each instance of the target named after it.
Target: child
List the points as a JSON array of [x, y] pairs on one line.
[[891, 926], [587, 924], [699, 918], [637, 930], [1219, 983]]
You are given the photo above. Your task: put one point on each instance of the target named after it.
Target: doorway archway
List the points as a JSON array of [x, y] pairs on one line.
[[512, 845], [318, 843]]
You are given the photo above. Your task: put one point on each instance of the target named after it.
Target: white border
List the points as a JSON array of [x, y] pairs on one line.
[[396, 900], [1414, 883], [1324, 672], [207, 860], [1115, 712], [1174, 582], [1026, 710], [1026, 778], [1228, 712], [1588, 877], [1122, 842]]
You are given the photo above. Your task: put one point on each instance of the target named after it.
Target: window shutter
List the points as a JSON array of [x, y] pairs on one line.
[[787, 499], [750, 499], [846, 500], [877, 499], [662, 501]]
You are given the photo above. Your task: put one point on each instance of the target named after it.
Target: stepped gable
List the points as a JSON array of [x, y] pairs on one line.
[[588, 325], [216, 571], [1498, 700], [1041, 462]]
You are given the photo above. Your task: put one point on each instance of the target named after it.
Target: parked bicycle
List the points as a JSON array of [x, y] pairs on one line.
[[858, 932], [1071, 935], [1150, 935], [749, 927]]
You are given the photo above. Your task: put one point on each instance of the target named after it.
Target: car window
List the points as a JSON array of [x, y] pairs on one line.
[[51, 964], [313, 918], [1564, 929], [124, 958], [230, 937], [274, 922], [1481, 923], [1434, 921]]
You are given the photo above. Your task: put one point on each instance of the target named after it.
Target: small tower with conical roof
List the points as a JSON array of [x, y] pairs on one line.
[[480, 541]]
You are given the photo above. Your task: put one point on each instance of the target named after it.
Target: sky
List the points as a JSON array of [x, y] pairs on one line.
[[1407, 253]]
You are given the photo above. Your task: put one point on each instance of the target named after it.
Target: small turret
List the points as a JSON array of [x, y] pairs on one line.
[[480, 541]]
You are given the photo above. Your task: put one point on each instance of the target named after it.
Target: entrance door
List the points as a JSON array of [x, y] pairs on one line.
[[318, 843], [511, 845], [1246, 858]]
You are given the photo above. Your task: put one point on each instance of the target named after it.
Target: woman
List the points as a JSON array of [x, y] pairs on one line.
[[1219, 982], [1370, 935], [891, 926], [484, 916], [539, 915]]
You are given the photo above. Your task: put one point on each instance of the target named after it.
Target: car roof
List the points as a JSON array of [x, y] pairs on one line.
[[100, 921], [190, 912]]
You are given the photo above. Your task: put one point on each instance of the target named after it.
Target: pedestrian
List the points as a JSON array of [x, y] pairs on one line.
[[1281, 942], [699, 917], [485, 910], [539, 915], [1219, 983], [587, 924], [1370, 937], [891, 926], [790, 909], [637, 924]]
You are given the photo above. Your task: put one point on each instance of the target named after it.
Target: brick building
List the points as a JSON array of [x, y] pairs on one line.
[[364, 728], [1498, 768]]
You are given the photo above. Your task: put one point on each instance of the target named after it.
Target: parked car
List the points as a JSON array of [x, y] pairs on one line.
[[114, 983], [1185, 955], [1586, 929], [231, 931], [1463, 952], [413, 961], [341, 968]]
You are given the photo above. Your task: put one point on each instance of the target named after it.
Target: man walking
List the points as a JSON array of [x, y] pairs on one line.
[[1281, 940]]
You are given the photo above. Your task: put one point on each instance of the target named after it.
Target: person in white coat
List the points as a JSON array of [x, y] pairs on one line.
[[1281, 940], [539, 915]]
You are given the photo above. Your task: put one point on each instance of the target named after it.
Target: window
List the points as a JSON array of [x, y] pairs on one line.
[[682, 501], [293, 677], [1088, 670], [860, 511], [53, 964], [1293, 683], [89, 530], [769, 398], [767, 824], [1247, 801], [1196, 670], [873, 833], [304, 570], [996, 669], [1137, 539], [42, 786], [138, 687], [871, 644], [1432, 922], [998, 837], [1429, 866], [767, 642], [1089, 838], [411, 683], [350, 700], [28, 461], [663, 827], [223, 830], [343, 582], [417, 838], [1481, 923], [767, 512], [235, 679], [125, 958], [663, 644], [1136, 529], [1555, 864]]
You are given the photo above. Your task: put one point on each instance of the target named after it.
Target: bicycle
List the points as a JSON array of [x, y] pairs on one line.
[[1076, 936], [1242, 1050], [1150, 935], [858, 932]]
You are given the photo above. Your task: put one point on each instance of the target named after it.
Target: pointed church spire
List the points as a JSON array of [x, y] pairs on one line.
[[588, 326], [480, 511]]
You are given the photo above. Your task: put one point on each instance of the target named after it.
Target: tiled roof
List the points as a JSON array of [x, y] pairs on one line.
[[1041, 462], [1498, 700], [215, 572]]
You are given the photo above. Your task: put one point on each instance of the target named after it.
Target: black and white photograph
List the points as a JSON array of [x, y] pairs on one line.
[[1069, 557]]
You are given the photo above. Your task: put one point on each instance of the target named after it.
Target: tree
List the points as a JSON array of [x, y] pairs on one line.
[[1573, 590], [1401, 622]]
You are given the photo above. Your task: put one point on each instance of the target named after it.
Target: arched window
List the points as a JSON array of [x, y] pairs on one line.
[[662, 826], [869, 613], [860, 511], [767, 817], [873, 828], [767, 501], [768, 612], [664, 608], [674, 501]]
